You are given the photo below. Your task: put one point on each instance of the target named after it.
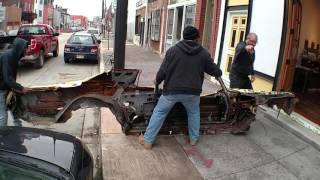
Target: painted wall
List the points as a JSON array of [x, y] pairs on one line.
[[310, 25]]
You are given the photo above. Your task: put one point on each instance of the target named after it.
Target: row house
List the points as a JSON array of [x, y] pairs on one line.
[[288, 49], [80, 21], [26, 6], [10, 17], [48, 10]]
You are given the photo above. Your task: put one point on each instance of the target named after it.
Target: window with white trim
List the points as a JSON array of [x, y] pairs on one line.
[[155, 29]]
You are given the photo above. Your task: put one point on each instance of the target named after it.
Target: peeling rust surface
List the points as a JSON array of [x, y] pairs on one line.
[[230, 111]]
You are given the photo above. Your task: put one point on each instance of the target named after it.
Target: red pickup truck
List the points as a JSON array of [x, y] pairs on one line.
[[42, 40]]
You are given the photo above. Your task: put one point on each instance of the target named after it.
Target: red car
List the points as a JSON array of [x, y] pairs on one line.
[[42, 40]]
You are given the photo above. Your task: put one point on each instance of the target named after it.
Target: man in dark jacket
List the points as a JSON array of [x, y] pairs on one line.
[[9, 65], [242, 66], [182, 71]]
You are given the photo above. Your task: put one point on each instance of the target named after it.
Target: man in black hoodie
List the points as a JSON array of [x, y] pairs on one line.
[[182, 71], [9, 61], [242, 66]]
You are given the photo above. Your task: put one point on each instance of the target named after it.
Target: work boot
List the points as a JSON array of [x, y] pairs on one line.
[[193, 142], [141, 141]]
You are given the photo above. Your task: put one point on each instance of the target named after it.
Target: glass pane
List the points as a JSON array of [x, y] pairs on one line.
[[190, 15], [229, 63], [170, 23], [235, 21], [80, 40], [233, 39], [11, 172], [241, 36], [243, 21], [34, 30]]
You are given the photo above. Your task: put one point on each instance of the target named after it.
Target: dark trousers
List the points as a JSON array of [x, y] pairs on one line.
[[240, 82]]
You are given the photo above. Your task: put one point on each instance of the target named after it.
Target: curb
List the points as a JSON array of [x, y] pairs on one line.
[[291, 124]]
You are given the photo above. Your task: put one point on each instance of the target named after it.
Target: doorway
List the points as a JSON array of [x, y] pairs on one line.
[[300, 72], [237, 34]]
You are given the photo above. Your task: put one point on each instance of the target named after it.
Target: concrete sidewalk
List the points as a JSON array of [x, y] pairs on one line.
[[268, 151]]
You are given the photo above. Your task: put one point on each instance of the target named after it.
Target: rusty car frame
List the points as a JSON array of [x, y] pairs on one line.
[[228, 110]]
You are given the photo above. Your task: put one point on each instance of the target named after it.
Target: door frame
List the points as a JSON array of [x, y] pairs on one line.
[[285, 71], [226, 34]]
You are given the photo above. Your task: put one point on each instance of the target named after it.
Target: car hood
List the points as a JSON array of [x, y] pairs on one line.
[[56, 148]]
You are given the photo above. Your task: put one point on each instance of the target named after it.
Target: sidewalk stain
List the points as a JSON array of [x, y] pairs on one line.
[[197, 155]]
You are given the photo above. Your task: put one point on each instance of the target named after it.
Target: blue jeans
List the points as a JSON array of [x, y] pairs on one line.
[[3, 109], [165, 104]]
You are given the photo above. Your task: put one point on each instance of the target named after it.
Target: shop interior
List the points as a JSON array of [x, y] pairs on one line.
[[306, 83]]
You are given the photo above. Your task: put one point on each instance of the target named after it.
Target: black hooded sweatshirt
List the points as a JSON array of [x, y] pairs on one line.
[[9, 61], [183, 68]]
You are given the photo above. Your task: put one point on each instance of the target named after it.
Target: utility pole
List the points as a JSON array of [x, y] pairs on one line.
[[102, 16], [120, 34]]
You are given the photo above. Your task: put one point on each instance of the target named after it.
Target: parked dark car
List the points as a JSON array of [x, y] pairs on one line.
[[27, 153], [82, 46]]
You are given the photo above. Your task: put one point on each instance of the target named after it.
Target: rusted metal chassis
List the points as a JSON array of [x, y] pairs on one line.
[[132, 105]]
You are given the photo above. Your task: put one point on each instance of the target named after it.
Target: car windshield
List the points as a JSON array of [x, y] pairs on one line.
[[11, 172], [35, 30], [93, 31], [80, 39]]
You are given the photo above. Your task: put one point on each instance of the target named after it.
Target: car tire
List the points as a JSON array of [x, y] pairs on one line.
[[66, 61], [56, 52], [40, 60]]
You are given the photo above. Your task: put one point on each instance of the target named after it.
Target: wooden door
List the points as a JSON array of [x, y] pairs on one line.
[[292, 45]]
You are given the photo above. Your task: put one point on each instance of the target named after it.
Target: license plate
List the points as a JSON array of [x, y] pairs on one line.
[[80, 56]]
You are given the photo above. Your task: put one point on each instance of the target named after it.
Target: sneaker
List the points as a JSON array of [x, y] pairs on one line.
[[193, 142], [145, 145]]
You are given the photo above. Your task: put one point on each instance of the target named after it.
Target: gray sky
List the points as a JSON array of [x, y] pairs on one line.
[[89, 8]]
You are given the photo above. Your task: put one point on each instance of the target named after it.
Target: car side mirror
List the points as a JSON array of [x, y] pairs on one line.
[[99, 41], [56, 34]]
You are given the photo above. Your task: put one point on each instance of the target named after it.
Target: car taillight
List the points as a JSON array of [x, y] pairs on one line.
[[33, 44], [67, 48], [94, 50]]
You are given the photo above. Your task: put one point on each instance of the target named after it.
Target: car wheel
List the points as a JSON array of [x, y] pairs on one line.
[[66, 60], [40, 60], [56, 52]]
